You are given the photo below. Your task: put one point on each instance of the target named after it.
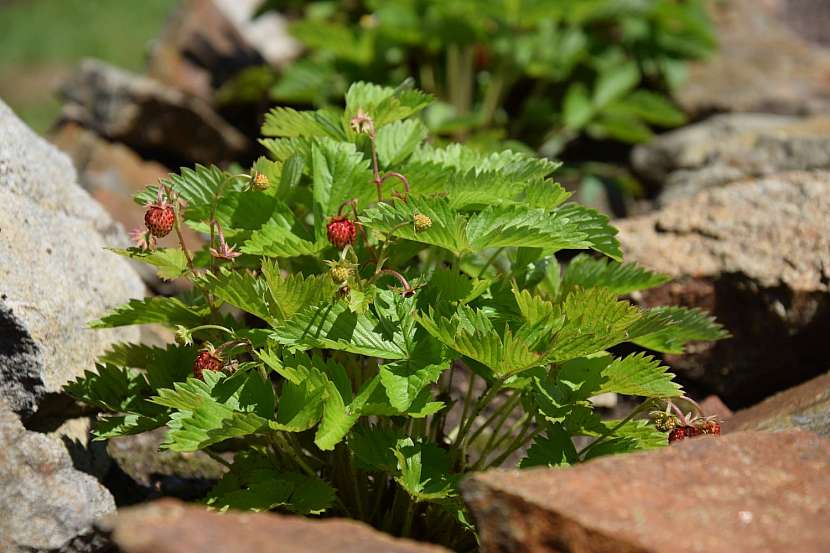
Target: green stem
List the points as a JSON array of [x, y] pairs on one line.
[[489, 262], [463, 439], [503, 409], [503, 412], [407, 521], [218, 458], [526, 433], [644, 406], [211, 327], [467, 403]]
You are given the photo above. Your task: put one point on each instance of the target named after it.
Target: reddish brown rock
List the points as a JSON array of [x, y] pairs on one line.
[[766, 60], [806, 406], [757, 255], [743, 493], [171, 527], [157, 121], [713, 405]]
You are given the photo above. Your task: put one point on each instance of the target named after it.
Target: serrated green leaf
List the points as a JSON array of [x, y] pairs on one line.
[[424, 470], [166, 311], [301, 402], [554, 449], [170, 262], [587, 272], [594, 321], [472, 334], [635, 435], [242, 290], [125, 425], [634, 375], [335, 326], [255, 483], [396, 141], [446, 231], [685, 325], [384, 105], [289, 123], [293, 292], [162, 366], [339, 173], [198, 187], [275, 239], [113, 388]]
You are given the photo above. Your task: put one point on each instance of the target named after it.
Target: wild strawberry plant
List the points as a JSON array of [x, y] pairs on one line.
[[373, 317]]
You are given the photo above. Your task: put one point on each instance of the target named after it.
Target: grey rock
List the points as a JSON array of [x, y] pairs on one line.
[[207, 43], [268, 32], [47, 505], [757, 255], [767, 60], [55, 275], [149, 116], [731, 147]]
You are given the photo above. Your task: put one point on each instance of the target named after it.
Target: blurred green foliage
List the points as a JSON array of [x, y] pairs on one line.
[[40, 41], [542, 72]]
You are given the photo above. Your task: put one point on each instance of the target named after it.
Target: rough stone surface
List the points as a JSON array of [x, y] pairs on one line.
[[806, 406], [268, 32], [731, 147], [55, 275], [742, 493], [157, 473], [47, 505], [158, 121], [756, 254], [206, 43], [199, 49], [168, 526], [109, 171], [764, 62], [713, 405]]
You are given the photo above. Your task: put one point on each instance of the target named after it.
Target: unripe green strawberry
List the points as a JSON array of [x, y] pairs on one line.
[[664, 422], [340, 273], [260, 181], [422, 222]]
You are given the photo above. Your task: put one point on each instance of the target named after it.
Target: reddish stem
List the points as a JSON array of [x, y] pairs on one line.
[[403, 179]]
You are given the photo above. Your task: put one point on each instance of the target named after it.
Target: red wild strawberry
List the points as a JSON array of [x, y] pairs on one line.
[[677, 434], [207, 360], [341, 231], [709, 427], [159, 219]]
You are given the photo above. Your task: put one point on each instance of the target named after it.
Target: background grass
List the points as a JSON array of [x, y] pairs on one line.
[[42, 40]]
